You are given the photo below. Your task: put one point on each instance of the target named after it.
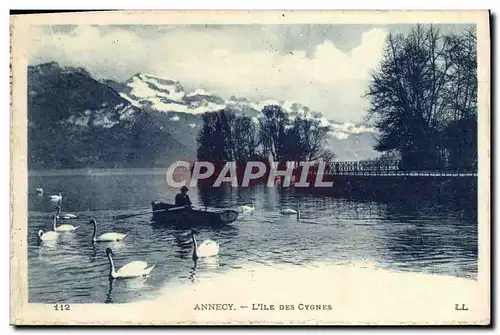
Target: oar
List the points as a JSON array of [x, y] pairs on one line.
[[126, 216]]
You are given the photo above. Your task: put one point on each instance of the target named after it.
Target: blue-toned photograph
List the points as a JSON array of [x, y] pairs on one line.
[[186, 159]]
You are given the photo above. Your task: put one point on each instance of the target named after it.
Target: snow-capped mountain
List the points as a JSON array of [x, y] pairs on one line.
[[164, 95], [75, 120]]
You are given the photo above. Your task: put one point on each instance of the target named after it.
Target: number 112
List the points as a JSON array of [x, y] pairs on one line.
[[61, 307]]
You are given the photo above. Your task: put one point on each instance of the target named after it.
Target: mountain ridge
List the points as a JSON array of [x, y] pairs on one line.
[[77, 121]]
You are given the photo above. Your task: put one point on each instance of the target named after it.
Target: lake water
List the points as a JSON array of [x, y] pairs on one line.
[[410, 236]]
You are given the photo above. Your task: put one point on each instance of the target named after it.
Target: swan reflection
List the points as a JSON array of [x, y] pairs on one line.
[[210, 262], [93, 254], [192, 272], [47, 245], [137, 284], [128, 285], [109, 299], [201, 264]]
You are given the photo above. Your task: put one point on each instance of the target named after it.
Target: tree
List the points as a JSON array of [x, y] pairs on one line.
[[209, 141], [246, 139], [306, 140], [460, 139], [460, 135], [272, 130], [411, 93], [461, 92], [225, 133], [226, 137]]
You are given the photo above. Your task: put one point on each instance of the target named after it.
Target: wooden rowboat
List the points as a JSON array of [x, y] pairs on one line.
[[186, 217]]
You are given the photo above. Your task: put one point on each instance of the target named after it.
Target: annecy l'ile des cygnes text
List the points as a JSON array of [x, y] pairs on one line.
[[292, 173]]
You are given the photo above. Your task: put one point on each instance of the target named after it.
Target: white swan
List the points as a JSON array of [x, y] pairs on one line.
[[289, 211], [46, 236], [55, 197], [129, 270], [65, 216], [206, 249], [246, 209], [107, 237], [64, 227]]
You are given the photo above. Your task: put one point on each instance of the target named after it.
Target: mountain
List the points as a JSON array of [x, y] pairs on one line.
[[76, 121], [348, 140], [352, 142], [153, 93]]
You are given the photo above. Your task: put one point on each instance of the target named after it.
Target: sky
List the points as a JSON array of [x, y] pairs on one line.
[[324, 67]]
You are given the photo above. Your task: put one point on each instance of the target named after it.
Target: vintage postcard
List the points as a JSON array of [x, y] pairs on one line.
[[250, 168]]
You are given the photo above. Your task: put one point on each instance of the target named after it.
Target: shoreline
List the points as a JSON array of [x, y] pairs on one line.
[[96, 172]]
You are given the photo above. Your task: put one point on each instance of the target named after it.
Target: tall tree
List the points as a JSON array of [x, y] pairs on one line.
[[225, 133], [461, 92], [306, 140], [272, 130], [410, 95], [226, 137], [208, 146], [246, 139], [460, 136]]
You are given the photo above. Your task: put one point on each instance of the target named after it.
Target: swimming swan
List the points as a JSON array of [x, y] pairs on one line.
[[289, 211], [48, 236], [64, 227], [129, 270], [65, 216], [247, 209], [107, 237], [56, 197], [206, 249]]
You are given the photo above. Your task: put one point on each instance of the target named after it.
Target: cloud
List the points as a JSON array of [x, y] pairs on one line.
[[341, 131], [339, 135], [245, 62], [351, 128]]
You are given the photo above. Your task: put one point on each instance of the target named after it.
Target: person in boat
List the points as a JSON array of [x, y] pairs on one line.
[[182, 199]]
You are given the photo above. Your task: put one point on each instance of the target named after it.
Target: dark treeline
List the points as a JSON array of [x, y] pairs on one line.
[[226, 136], [424, 99]]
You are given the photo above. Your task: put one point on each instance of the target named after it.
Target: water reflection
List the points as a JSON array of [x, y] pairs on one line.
[[184, 244], [224, 196], [192, 273], [92, 253], [210, 262], [421, 236], [203, 266], [46, 248], [100, 191], [109, 298]]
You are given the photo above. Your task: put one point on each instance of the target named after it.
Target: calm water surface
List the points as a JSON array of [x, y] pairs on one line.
[[400, 236]]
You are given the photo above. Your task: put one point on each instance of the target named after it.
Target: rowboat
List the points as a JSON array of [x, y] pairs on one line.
[[186, 217]]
